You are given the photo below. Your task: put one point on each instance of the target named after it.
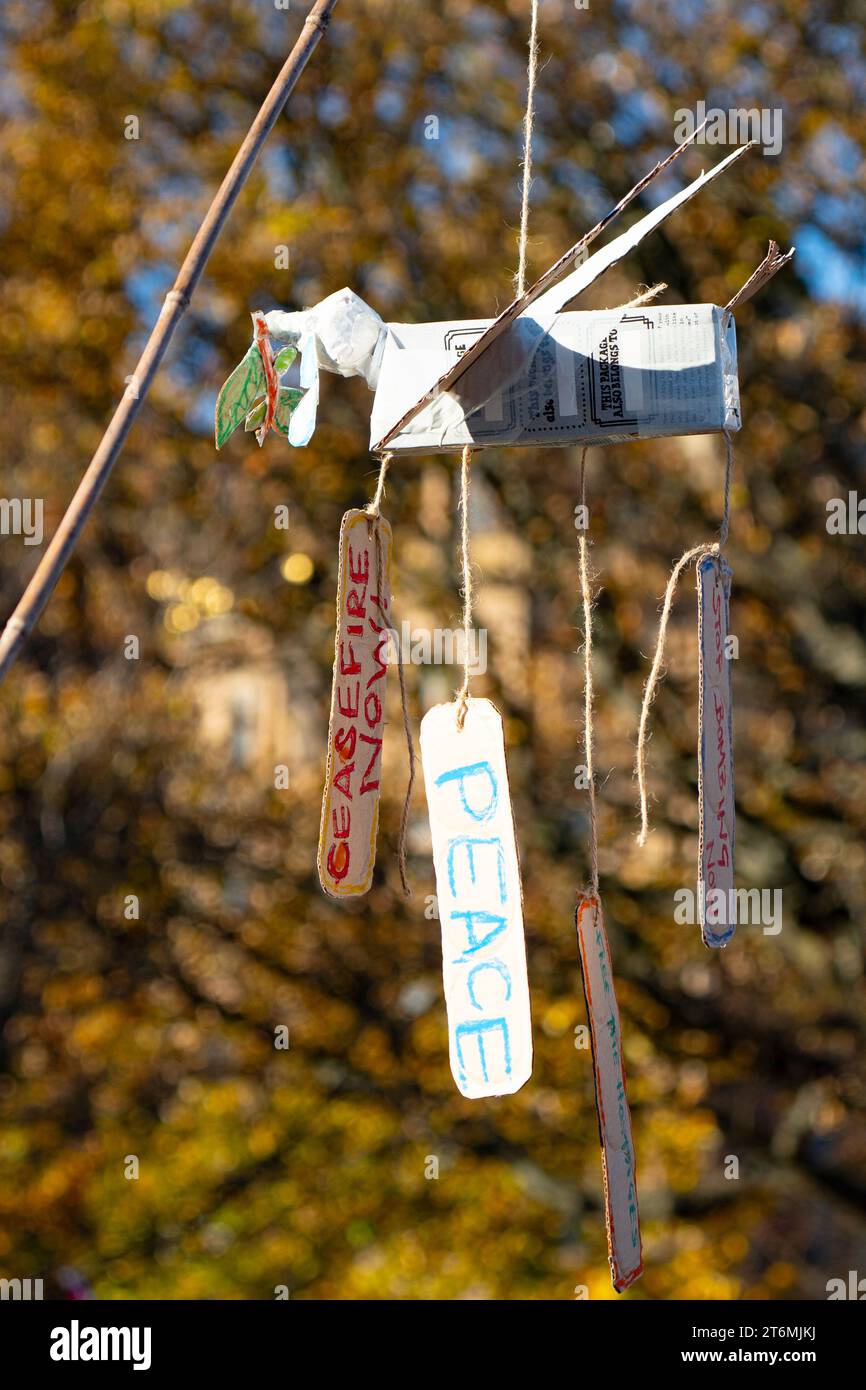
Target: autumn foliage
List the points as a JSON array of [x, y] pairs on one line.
[[161, 916]]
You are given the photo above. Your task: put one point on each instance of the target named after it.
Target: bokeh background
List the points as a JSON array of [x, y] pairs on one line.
[[154, 1038]]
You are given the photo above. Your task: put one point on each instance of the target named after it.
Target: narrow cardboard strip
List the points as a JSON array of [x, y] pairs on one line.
[[614, 1121], [480, 899], [770, 266], [716, 899], [350, 805]]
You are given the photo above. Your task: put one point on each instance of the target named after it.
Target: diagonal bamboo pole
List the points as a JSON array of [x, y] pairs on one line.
[[54, 561]]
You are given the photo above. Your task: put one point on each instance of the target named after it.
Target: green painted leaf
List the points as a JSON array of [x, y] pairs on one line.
[[290, 397], [284, 359], [246, 382], [288, 400], [256, 415]]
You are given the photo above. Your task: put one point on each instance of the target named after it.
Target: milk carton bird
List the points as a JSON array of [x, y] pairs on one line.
[[534, 376]]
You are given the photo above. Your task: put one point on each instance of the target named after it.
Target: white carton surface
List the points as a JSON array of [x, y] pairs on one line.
[[595, 377]]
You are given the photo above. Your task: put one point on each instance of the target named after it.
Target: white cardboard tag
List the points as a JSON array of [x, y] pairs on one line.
[[715, 755], [350, 805], [480, 899], [614, 1121]]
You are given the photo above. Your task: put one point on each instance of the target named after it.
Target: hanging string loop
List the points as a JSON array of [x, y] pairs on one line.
[[696, 552]]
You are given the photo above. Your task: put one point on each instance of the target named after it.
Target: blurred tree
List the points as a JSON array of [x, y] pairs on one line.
[[161, 916]]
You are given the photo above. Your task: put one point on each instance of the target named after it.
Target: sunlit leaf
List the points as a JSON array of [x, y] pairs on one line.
[[290, 396], [284, 359], [256, 415], [246, 382]]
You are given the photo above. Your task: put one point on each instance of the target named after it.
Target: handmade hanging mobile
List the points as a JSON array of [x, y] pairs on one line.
[[536, 375]]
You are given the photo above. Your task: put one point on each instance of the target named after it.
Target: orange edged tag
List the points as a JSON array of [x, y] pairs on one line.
[[614, 1121], [350, 805]]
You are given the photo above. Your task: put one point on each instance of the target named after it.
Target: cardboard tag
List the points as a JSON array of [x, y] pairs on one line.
[[350, 806], [614, 1121], [480, 899], [716, 897]]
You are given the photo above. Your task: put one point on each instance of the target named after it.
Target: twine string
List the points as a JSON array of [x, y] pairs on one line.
[[520, 281], [729, 472], [375, 515], [466, 587], [653, 680], [375, 505], [646, 295], [588, 687], [528, 124]]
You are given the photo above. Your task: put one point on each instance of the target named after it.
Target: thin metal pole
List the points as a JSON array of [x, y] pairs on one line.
[[54, 561]]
